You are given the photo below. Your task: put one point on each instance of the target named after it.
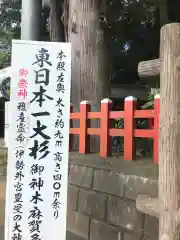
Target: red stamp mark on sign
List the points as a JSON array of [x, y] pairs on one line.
[[23, 72], [22, 88], [22, 93], [22, 83]]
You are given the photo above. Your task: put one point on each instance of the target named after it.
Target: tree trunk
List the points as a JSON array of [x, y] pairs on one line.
[[66, 17], [56, 26], [90, 79]]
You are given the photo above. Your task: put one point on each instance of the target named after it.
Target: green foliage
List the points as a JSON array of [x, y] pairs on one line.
[[131, 32], [4, 59], [150, 102], [10, 18], [132, 35], [10, 14], [148, 105]]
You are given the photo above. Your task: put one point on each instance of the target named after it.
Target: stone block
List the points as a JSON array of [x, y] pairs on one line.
[[72, 236], [132, 236], [151, 228], [108, 182], [135, 185], [103, 231], [72, 197], [92, 204], [80, 176], [147, 237], [123, 213], [78, 224]]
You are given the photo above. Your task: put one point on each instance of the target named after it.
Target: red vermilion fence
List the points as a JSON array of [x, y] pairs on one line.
[[106, 131]]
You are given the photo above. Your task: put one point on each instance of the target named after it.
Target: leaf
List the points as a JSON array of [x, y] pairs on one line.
[[149, 104]]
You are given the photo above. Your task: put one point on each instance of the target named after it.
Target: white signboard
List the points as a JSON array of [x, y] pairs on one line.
[[36, 199]]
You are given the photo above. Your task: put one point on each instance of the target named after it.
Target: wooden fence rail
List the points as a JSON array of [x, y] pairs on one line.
[[106, 131]]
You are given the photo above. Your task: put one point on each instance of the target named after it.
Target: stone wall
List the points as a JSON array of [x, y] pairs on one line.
[[101, 199]]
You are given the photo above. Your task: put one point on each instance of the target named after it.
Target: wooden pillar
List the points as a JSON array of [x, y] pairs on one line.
[[167, 206], [31, 19], [169, 143]]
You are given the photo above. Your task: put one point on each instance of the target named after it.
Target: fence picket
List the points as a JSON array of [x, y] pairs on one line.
[[84, 138], [129, 126], [105, 139], [106, 131]]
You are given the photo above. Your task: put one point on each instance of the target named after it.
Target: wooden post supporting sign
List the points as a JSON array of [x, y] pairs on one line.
[[167, 205]]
